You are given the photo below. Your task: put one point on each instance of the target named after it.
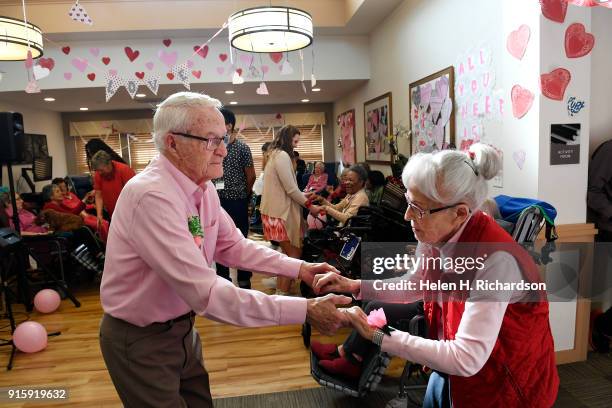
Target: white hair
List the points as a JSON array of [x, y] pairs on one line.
[[176, 114], [450, 177]]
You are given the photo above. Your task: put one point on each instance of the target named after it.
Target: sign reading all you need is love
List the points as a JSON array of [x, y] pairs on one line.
[[476, 97]]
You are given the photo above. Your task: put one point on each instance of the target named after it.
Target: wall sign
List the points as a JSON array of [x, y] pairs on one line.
[[565, 143]]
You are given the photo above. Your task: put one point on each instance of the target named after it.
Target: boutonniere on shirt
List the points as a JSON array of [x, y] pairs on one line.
[[195, 227]]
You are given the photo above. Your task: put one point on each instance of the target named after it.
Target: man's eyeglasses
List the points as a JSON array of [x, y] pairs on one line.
[[212, 143], [422, 212]]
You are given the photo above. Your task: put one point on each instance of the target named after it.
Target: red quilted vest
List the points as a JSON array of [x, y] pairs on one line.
[[521, 370]]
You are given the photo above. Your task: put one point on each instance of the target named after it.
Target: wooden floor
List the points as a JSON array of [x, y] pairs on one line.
[[241, 361]]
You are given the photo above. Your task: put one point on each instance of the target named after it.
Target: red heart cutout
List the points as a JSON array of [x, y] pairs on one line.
[[131, 54], [167, 42], [276, 57], [222, 57], [202, 52], [66, 50], [554, 10], [239, 71], [48, 63], [106, 60], [578, 42], [170, 76], [522, 99], [139, 75], [91, 76], [197, 74], [554, 83]]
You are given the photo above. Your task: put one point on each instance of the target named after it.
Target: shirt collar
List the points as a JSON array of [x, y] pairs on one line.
[[190, 188]]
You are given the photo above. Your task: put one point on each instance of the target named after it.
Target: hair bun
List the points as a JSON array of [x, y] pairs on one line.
[[486, 159]]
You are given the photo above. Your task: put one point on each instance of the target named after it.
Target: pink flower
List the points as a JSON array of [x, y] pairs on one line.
[[198, 241], [377, 318]]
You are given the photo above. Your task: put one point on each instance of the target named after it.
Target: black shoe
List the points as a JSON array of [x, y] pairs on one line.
[[601, 342]]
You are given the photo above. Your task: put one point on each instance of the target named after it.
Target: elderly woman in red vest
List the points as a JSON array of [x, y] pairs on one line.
[[486, 347]]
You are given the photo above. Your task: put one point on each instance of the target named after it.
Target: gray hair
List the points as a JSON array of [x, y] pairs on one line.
[[47, 192], [176, 114], [361, 172], [450, 177], [100, 159]]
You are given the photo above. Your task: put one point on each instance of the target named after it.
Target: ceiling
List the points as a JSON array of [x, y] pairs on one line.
[[281, 92]]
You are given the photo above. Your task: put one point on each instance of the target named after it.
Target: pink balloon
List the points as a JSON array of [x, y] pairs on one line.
[[314, 223], [30, 337], [47, 301]]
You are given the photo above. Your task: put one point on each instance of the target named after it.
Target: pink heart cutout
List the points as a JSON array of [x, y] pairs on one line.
[[265, 69], [220, 70], [522, 99], [519, 158], [246, 59], [149, 65], [168, 58], [554, 10], [517, 41], [190, 64], [555, 83], [94, 51], [67, 76], [578, 42], [80, 64]]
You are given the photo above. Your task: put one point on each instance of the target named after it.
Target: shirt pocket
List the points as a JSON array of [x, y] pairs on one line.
[[210, 240]]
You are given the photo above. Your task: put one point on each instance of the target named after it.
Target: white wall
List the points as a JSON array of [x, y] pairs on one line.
[[601, 86], [41, 122]]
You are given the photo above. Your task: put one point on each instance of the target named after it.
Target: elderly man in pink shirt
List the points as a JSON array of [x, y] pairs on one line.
[[168, 228]]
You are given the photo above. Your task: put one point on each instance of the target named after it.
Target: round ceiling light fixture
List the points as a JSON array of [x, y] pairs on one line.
[[15, 36], [270, 29]]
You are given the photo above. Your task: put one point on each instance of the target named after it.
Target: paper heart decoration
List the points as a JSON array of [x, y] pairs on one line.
[[265, 69], [40, 72], [197, 74], [437, 134], [519, 158], [91, 76], [237, 79], [239, 71], [167, 42], [220, 70], [168, 58], [435, 103], [517, 41], [286, 68], [112, 72], [262, 89], [578, 42], [48, 63], [202, 52], [446, 112], [32, 87], [554, 10], [522, 99], [425, 95], [106, 60], [170, 76], [131, 54], [442, 87], [94, 51], [223, 57], [149, 65], [189, 64], [554, 83], [246, 59], [67, 76], [139, 75], [66, 50], [276, 57], [80, 64]]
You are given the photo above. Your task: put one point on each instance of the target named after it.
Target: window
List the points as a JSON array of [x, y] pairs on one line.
[[113, 140], [142, 150]]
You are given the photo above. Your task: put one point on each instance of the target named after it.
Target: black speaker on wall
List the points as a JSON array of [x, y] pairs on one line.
[[11, 137]]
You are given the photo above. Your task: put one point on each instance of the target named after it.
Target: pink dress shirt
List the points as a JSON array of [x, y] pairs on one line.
[[154, 270]]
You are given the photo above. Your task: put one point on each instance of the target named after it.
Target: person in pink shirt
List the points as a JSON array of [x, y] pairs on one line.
[[317, 180], [27, 220], [168, 228]]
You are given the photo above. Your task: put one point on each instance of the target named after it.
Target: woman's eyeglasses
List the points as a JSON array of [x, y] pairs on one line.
[[422, 212], [212, 143]]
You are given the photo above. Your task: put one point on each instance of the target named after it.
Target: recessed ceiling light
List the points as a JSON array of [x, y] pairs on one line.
[[49, 99], [233, 103], [229, 92], [305, 100], [83, 109], [316, 89], [140, 95]]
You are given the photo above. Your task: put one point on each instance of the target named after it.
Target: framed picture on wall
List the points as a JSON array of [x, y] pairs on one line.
[[432, 117], [378, 125], [346, 121]]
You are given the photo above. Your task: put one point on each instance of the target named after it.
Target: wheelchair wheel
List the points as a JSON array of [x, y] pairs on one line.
[[306, 332]]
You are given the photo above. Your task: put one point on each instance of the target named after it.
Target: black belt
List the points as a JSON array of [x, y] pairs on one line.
[[186, 316]]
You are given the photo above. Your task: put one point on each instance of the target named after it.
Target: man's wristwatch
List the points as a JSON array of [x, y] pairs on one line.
[[377, 338]]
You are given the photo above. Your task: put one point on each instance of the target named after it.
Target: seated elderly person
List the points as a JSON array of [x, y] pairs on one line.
[[317, 180], [27, 220], [168, 229], [487, 348], [70, 199], [356, 197]]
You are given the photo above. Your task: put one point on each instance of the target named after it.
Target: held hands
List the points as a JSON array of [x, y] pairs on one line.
[[359, 320], [334, 282], [322, 314], [309, 270]]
